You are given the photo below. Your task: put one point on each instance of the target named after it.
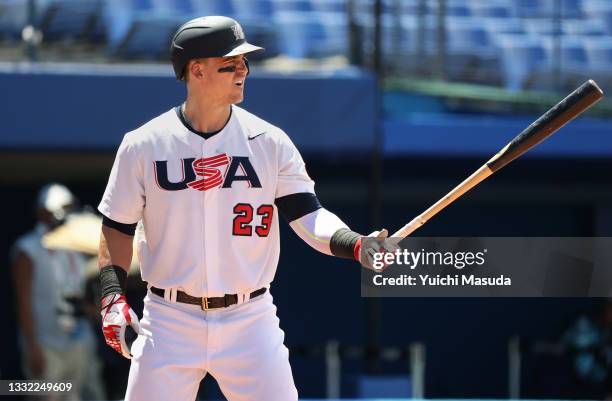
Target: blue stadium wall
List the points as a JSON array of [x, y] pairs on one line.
[[562, 189]]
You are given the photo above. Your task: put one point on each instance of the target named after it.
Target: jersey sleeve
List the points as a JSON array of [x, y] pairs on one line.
[[123, 200], [292, 175]]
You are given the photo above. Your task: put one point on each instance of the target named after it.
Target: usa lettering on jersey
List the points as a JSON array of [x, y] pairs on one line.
[[206, 173]]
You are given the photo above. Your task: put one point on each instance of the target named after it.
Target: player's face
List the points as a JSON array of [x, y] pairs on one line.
[[224, 78]]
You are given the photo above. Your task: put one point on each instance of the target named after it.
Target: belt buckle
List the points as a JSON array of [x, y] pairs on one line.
[[205, 304]]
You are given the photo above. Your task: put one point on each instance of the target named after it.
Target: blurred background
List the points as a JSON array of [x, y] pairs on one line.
[[392, 103]]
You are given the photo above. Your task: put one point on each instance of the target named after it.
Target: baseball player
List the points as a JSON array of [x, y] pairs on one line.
[[205, 182]]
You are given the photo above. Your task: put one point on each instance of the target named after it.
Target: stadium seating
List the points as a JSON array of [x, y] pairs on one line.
[[141, 28], [299, 6], [547, 8], [466, 34], [566, 64], [593, 7], [252, 9], [541, 26], [311, 34], [389, 7], [480, 35], [497, 26], [458, 10], [61, 19], [579, 27], [599, 10], [571, 52], [521, 57], [211, 7], [399, 40], [469, 48], [336, 6], [494, 9], [599, 53], [13, 18]]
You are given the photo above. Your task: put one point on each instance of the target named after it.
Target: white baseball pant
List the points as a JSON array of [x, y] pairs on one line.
[[241, 346]]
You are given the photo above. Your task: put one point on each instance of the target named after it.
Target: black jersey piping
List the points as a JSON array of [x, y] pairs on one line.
[[205, 135], [128, 229]]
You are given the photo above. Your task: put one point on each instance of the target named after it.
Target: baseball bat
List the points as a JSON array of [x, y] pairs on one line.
[[547, 124]]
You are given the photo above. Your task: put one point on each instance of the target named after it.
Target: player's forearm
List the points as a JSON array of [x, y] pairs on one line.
[[114, 259], [317, 228], [325, 232], [115, 248]]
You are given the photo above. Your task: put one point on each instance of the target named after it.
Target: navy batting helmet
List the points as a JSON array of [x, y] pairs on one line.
[[203, 37]]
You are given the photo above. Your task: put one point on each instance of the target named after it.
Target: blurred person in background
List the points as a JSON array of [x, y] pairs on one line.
[[56, 336]]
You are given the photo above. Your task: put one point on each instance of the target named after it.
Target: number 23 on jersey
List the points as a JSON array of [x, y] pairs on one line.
[[242, 225]]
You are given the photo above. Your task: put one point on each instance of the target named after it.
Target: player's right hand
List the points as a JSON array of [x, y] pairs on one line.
[[381, 244], [118, 319]]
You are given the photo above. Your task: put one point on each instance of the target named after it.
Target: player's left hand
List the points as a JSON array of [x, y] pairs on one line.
[[381, 244], [119, 324]]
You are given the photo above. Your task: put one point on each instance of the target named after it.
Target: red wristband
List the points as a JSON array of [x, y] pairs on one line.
[[357, 250]]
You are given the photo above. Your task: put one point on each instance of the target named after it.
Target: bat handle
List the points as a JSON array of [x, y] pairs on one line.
[[130, 336]]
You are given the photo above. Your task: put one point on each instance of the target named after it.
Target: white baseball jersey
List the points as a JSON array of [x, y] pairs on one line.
[[207, 205]]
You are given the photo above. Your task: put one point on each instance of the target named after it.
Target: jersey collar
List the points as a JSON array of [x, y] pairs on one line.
[[205, 135]]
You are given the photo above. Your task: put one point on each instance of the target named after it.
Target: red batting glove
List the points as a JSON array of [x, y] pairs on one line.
[[117, 317]]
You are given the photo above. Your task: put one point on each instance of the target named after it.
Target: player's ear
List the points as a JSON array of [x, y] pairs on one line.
[[195, 69]]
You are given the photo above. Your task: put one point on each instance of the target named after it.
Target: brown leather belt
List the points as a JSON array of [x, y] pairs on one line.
[[208, 303]]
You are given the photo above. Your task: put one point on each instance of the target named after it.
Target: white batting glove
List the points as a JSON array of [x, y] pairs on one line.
[[119, 324], [381, 245]]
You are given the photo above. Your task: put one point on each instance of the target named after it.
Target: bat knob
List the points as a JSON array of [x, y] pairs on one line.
[[130, 336]]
